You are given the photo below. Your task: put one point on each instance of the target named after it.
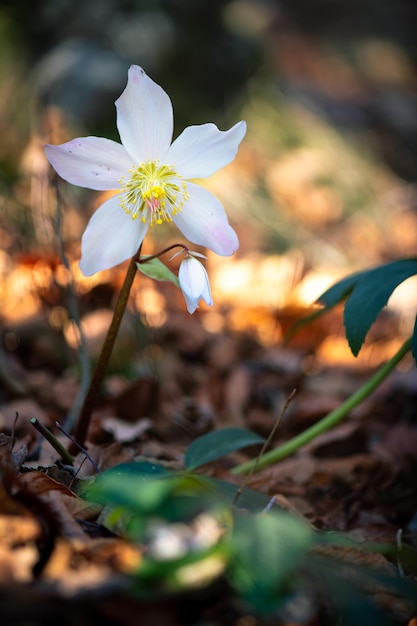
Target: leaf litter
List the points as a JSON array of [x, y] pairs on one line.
[[169, 384]]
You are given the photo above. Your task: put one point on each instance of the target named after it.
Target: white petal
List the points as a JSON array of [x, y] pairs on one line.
[[92, 162], [202, 150], [203, 221], [191, 303], [191, 295], [194, 283], [144, 117], [110, 238]]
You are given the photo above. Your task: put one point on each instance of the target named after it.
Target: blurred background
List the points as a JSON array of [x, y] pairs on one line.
[[324, 183]]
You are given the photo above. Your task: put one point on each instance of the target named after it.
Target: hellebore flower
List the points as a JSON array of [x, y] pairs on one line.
[[194, 283], [151, 176]]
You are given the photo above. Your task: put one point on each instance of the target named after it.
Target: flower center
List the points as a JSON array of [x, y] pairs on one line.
[[153, 192]]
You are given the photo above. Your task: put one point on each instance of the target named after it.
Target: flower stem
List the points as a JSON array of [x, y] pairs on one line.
[[84, 418], [151, 257], [334, 417]]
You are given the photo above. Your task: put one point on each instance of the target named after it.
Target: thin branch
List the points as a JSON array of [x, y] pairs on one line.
[[55, 443], [265, 446], [80, 448]]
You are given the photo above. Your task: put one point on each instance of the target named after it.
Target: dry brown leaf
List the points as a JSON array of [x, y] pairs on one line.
[[297, 471], [25, 408], [17, 565], [353, 470], [68, 527], [237, 393], [17, 530], [115, 553], [39, 483], [81, 509], [104, 456]]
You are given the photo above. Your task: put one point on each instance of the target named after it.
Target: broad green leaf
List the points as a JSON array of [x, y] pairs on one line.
[[157, 270], [218, 443], [339, 291], [143, 471], [131, 501], [249, 499], [366, 294], [335, 294], [267, 551], [130, 492], [369, 295]]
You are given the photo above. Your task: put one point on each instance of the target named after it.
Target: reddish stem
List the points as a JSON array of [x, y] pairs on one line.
[[83, 422]]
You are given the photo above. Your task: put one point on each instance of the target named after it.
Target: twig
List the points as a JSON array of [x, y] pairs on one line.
[[77, 445], [264, 447], [55, 443]]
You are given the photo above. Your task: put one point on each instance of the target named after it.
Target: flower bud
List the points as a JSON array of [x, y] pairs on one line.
[[194, 283]]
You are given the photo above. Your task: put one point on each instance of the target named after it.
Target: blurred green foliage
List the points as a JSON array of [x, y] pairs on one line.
[[191, 535]]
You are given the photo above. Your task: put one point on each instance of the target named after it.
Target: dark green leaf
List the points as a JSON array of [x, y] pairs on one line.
[[133, 500], [218, 443], [339, 292], [268, 549], [130, 491], [249, 499], [328, 299], [141, 469], [369, 295]]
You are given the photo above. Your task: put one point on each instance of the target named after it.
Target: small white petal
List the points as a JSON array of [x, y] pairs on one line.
[[202, 150], [194, 283], [92, 162], [144, 117], [203, 221], [110, 238], [191, 303]]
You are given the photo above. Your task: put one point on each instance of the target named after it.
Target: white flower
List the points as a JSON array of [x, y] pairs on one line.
[[151, 176], [194, 283]]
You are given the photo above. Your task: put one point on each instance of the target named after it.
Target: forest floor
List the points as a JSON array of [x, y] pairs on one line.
[[171, 381]]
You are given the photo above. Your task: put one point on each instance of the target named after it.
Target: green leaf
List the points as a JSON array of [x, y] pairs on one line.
[[144, 471], [225, 492], [129, 492], [140, 469], [369, 296], [157, 270], [366, 294], [328, 299], [267, 551], [218, 443], [131, 501], [339, 291]]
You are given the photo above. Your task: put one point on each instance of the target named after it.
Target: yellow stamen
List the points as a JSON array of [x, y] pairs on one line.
[[153, 193]]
